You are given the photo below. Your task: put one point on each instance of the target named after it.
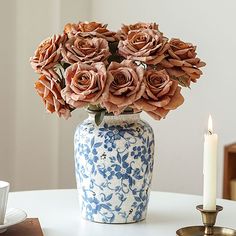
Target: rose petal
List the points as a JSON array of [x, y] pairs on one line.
[[176, 100]]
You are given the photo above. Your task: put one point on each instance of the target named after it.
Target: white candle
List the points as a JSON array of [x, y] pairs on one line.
[[209, 168]]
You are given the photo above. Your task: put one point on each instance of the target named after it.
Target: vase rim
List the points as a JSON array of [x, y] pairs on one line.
[[111, 114]]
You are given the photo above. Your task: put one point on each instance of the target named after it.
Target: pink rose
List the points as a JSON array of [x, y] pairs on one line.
[[124, 86], [144, 45], [48, 55], [86, 50], [125, 29], [89, 29], [50, 92], [182, 63], [161, 95], [84, 84]]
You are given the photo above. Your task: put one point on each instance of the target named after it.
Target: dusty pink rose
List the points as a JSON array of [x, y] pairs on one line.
[[50, 92], [124, 86], [89, 29], [87, 50], [161, 95], [125, 29], [48, 55], [144, 45], [84, 84], [181, 61]]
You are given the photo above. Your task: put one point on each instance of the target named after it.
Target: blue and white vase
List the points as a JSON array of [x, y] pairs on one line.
[[114, 164]]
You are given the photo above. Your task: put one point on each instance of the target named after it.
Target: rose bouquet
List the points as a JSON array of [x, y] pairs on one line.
[[134, 69]]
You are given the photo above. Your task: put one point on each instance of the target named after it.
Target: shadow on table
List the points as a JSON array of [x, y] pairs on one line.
[[163, 218]]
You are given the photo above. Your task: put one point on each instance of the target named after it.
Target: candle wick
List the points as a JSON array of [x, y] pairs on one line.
[[210, 132]]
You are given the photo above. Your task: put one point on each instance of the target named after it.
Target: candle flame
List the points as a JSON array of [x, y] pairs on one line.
[[210, 127]]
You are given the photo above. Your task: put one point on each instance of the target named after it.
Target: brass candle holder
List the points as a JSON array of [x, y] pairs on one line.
[[208, 228]]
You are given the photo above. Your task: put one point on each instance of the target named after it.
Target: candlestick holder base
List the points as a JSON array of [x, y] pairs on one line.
[[208, 228]]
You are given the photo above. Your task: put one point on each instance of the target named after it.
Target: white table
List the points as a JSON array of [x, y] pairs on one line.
[[58, 213]]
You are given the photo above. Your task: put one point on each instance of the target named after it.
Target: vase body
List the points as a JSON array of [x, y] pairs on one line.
[[114, 164]]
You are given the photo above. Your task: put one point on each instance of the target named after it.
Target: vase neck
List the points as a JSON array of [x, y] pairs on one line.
[[133, 117]]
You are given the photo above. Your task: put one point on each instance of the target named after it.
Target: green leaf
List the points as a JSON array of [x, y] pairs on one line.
[[64, 65], [94, 107], [113, 46], [99, 117], [183, 81], [115, 57], [62, 82]]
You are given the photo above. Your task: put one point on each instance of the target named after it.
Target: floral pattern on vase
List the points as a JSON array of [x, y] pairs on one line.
[[114, 164]]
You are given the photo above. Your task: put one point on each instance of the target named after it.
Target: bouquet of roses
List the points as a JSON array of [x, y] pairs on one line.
[[134, 69]]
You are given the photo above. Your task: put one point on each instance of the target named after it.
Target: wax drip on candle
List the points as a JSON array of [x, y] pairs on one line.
[[210, 127]]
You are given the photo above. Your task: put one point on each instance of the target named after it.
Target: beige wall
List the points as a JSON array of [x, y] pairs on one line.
[[7, 92], [36, 149]]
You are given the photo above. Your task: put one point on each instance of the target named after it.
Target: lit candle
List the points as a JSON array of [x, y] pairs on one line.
[[209, 168]]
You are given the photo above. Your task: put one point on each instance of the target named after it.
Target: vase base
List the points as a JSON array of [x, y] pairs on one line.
[[114, 222]]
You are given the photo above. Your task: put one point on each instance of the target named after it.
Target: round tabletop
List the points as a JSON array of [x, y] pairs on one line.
[[58, 213]]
